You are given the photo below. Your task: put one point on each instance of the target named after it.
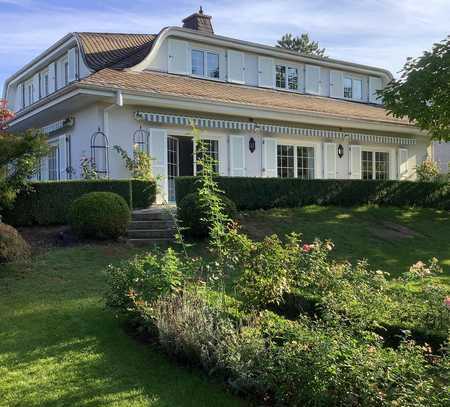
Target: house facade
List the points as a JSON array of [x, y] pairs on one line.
[[263, 111]]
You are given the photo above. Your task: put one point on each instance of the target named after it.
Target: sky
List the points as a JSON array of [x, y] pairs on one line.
[[381, 33]]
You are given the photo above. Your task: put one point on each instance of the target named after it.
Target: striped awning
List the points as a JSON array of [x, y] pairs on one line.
[[206, 123], [58, 126]]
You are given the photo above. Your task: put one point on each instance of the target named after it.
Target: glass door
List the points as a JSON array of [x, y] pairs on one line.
[[172, 165]]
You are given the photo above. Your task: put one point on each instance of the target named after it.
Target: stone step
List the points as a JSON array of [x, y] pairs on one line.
[[150, 234], [149, 216], [151, 224], [150, 242]]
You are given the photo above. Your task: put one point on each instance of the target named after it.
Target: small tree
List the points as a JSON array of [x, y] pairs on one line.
[[423, 91], [140, 165], [427, 171], [20, 155], [301, 44]]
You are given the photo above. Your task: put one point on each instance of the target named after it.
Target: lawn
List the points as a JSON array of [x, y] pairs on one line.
[[60, 347], [391, 239]]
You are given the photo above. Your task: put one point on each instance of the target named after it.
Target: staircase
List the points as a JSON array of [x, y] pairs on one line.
[[152, 226]]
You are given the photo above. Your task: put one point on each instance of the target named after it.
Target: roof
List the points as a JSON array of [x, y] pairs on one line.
[[152, 82], [112, 50]]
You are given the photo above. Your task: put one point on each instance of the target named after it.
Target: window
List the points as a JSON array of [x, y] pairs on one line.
[[44, 84], [286, 77], [53, 164], [66, 72], [212, 150], [375, 165], [352, 88], [286, 161], [305, 162], [29, 94], [205, 63]]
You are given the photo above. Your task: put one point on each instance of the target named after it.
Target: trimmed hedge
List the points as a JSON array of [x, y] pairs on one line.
[[48, 203], [265, 193]]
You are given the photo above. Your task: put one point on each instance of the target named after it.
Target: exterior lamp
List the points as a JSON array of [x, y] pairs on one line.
[[252, 145], [340, 150]]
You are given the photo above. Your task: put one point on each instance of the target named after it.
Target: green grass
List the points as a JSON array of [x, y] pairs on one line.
[[60, 347], [365, 232]]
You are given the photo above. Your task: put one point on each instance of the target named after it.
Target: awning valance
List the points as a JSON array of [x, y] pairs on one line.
[[206, 123]]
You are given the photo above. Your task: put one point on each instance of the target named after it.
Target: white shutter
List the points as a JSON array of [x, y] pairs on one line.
[[265, 72], [402, 163], [19, 97], [374, 85], [237, 156], [312, 79], [158, 151], [270, 157], [178, 56], [355, 162], [72, 60], [62, 157], [329, 162], [36, 88], [51, 77], [336, 84], [393, 165], [235, 66], [44, 168]]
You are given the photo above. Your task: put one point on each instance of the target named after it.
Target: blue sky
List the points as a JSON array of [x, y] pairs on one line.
[[375, 32]]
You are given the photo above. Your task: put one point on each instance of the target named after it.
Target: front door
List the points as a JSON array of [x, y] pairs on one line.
[[173, 169]]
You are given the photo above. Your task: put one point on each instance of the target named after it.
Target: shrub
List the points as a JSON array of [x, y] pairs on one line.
[[100, 215], [193, 216], [48, 203], [427, 171], [12, 246], [264, 193]]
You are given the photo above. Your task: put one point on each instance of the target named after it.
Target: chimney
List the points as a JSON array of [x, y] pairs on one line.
[[199, 22]]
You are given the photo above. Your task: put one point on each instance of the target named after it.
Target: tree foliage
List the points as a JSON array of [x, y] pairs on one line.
[[301, 44], [423, 91]]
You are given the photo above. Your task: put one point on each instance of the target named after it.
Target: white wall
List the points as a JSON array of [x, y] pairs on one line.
[[441, 154]]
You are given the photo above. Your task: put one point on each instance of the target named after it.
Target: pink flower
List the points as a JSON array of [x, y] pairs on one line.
[[307, 247], [447, 302]]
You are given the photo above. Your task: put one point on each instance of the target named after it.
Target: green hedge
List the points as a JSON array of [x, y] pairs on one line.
[[47, 203], [264, 193]]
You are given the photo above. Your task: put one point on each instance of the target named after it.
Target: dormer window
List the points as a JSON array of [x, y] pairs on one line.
[[286, 77], [352, 88], [205, 64]]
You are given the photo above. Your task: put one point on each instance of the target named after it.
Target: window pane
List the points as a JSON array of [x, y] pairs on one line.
[[367, 165], [281, 76], [357, 89], [381, 165], [285, 158], [198, 63], [293, 78], [212, 151], [305, 162], [213, 65], [53, 169], [348, 88]]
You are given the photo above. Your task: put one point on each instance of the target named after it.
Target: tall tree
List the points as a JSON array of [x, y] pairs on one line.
[[301, 44], [423, 91]]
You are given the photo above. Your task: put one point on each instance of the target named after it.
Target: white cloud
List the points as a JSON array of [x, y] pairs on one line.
[[374, 32]]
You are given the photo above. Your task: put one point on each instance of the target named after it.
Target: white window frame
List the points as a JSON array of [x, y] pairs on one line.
[[315, 147], [55, 147], [353, 79], [286, 67], [44, 90], [375, 150], [217, 163], [205, 63], [28, 93]]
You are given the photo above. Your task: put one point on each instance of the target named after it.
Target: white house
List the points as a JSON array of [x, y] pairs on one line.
[[266, 112]]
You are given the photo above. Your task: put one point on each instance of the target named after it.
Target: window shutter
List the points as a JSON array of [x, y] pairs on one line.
[[157, 144], [62, 161], [355, 162], [51, 77], [235, 66], [178, 56], [374, 85], [72, 60], [270, 157], [265, 72], [312, 80], [329, 162], [402, 163], [237, 156], [336, 84], [36, 88], [19, 97], [44, 168]]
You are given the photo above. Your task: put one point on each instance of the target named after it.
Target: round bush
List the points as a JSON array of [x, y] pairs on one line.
[[101, 215], [12, 246], [191, 213]]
